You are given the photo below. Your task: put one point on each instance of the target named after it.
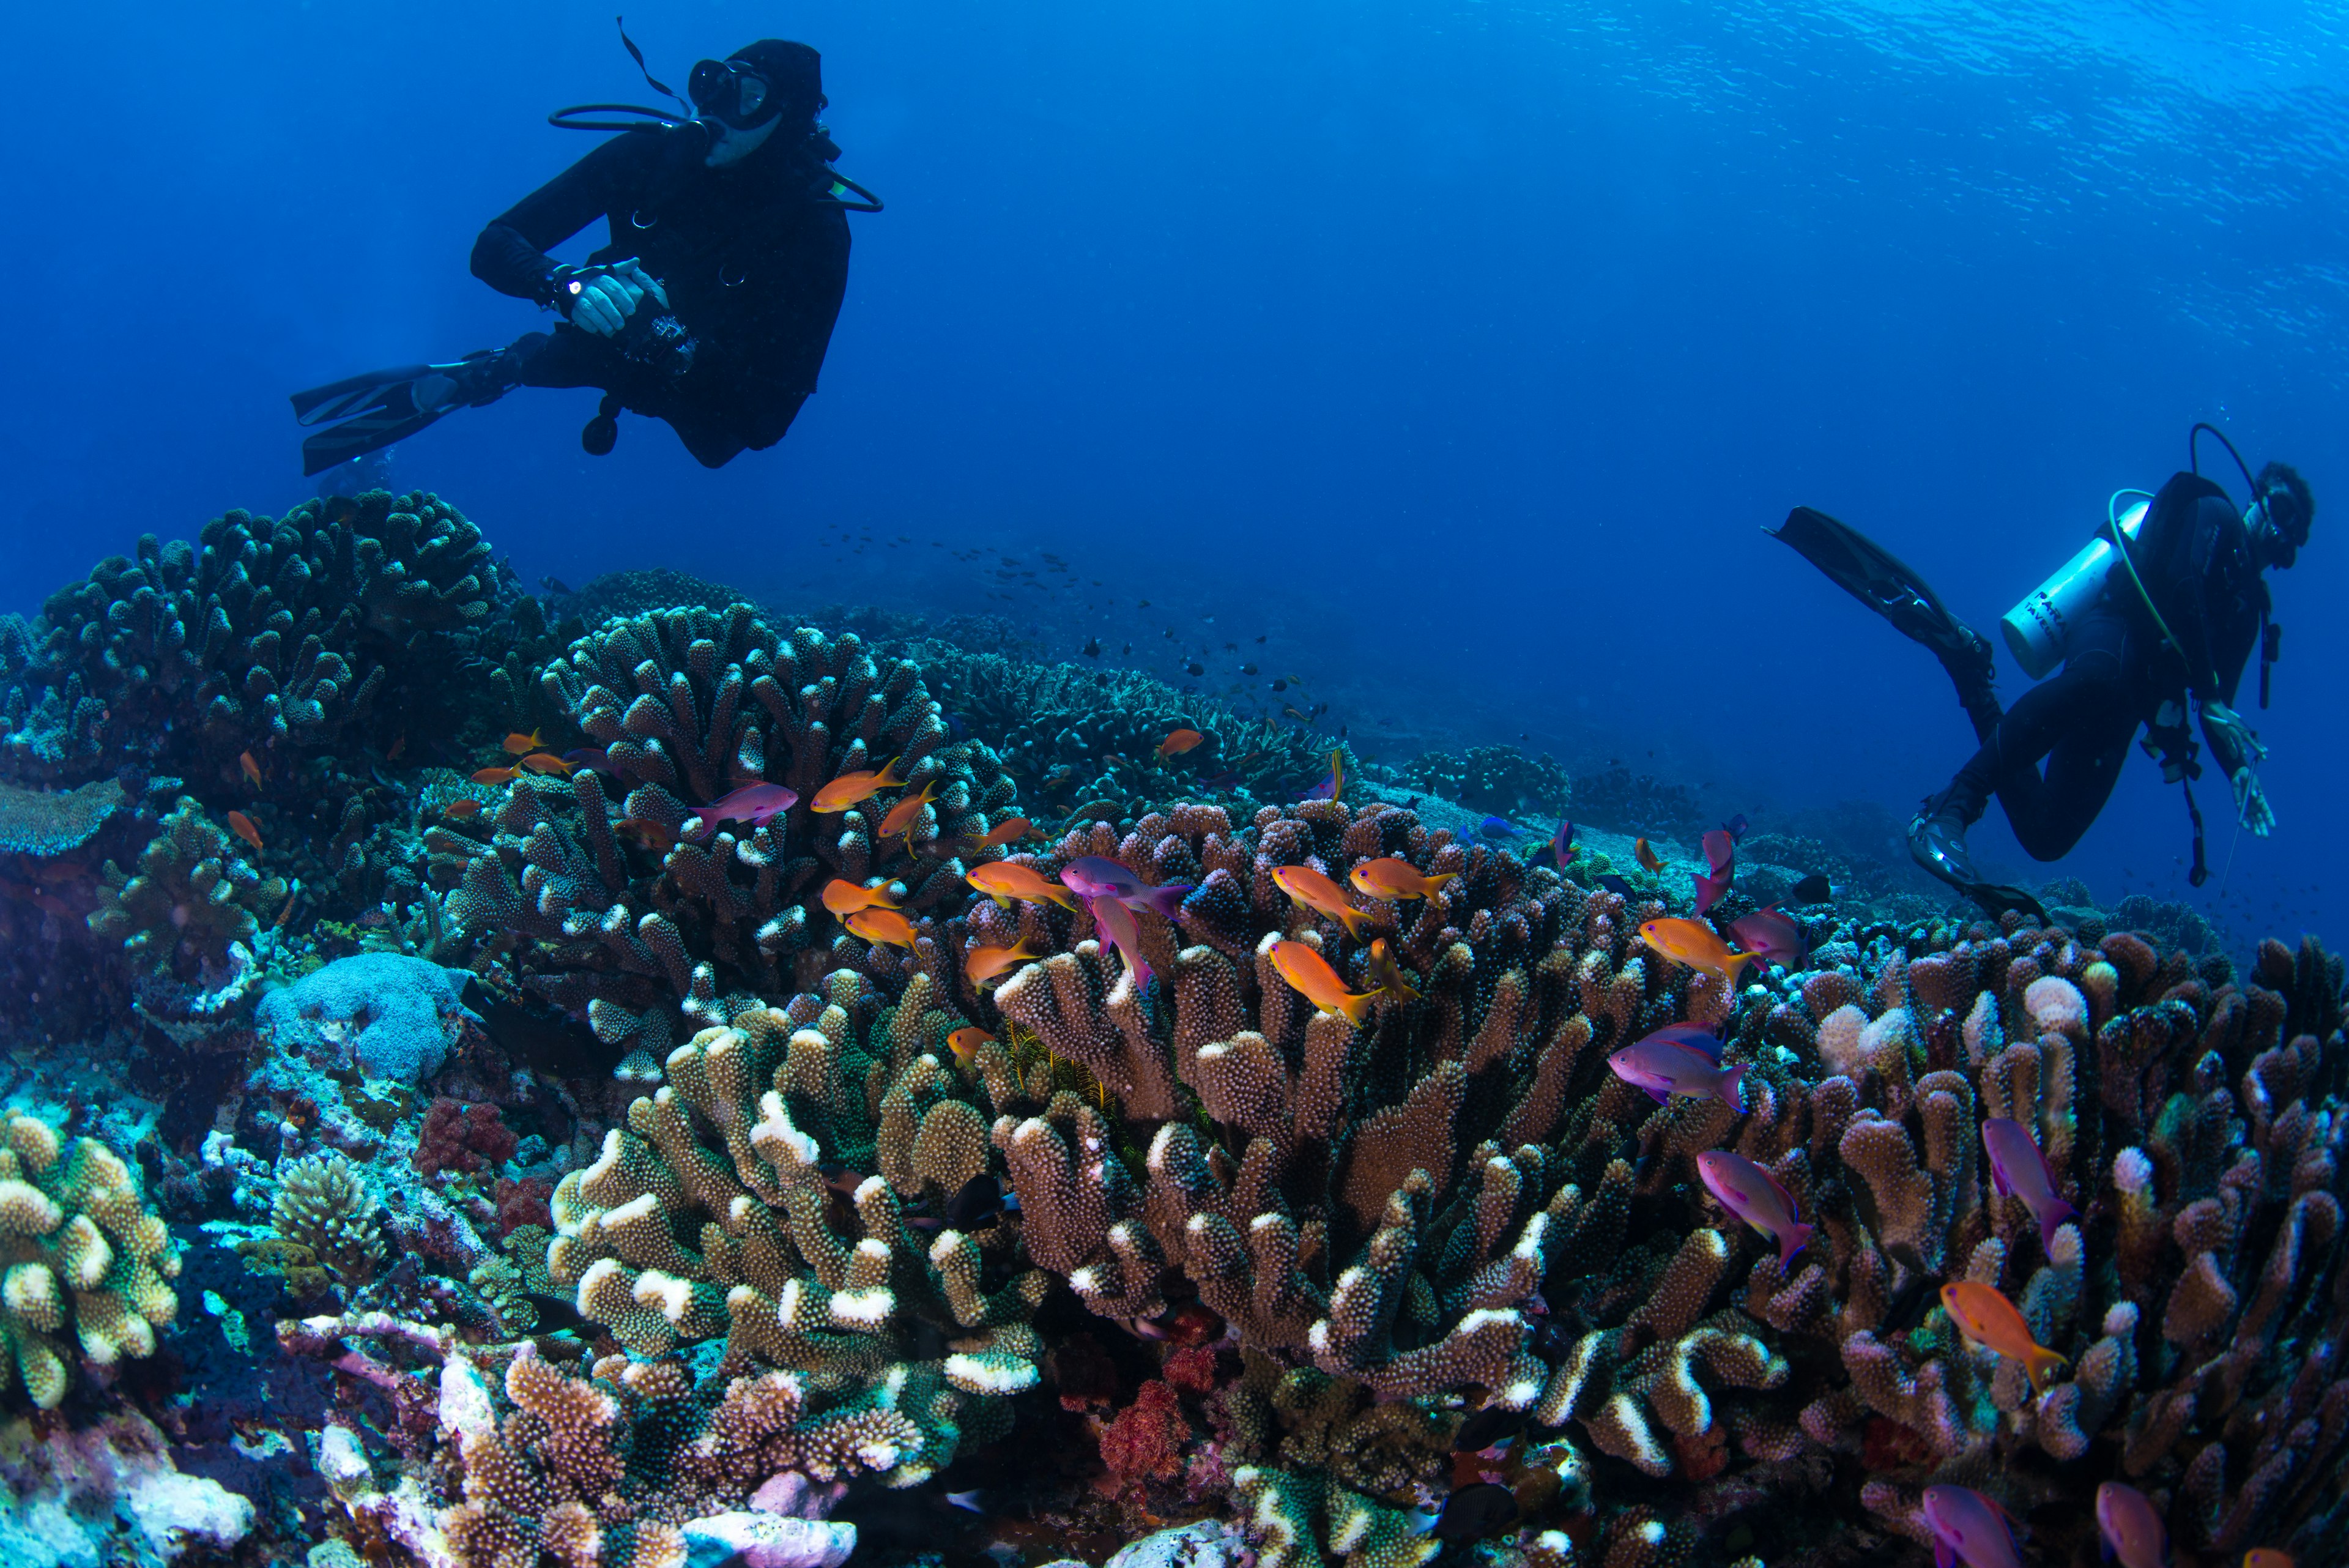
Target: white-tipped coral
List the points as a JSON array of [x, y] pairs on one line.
[[77, 1248]]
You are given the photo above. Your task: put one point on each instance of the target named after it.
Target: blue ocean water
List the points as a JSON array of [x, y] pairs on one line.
[[1459, 351]]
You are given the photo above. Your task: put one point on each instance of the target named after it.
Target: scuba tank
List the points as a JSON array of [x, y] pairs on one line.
[[2037, 629]]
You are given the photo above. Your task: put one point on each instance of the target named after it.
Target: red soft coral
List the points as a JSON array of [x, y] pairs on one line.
[[523, 1202], [458, 1138], [1144, 1442], [1193, 1370]]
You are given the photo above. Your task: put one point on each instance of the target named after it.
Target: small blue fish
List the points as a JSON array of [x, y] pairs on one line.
[[1620, 888], [1499, 828], [1736, 825]]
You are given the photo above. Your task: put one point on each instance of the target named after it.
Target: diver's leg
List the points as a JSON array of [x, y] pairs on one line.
[[2006, 764], [1897, 592], [2052, 813]]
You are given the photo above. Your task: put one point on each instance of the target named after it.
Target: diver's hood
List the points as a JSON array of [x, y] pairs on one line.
[[795, 74]]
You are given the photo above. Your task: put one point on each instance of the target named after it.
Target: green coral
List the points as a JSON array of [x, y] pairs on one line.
[[190, 900], [78, 1248], [325, 1205]]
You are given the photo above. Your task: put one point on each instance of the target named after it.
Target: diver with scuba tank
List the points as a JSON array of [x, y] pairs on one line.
[[711, 306], [2158, 616]]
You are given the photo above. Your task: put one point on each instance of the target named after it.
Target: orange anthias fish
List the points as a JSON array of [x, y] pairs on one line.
[[1310, 975], [849, 789], [241, 825], [906, 813], [1647, 857], [2266, 1557], [1389, 879], [983, 964], [465, 808], [518, 744], [844, 898], [1011, 830], [651, 834], [252, 769], [1697, 945], [965, 1043], [495, 775], [1388, 974], [1986, 1317], [1003, 882], [547, 763], [883, 926], [399, 749], [1178, 743], [1317, 892]]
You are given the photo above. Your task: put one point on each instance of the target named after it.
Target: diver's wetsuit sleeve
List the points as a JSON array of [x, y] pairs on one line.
[[511, 253]]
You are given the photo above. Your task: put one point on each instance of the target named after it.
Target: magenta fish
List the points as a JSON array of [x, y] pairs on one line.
[[754, 804], [1096, 876], [1754, 1196], [1720, 851], [2019, 1168], [1665, 1069], [1561, 844], [1710, 890], [2132, 1532], [1968, 1527], [1773, 937], [1116, 922]]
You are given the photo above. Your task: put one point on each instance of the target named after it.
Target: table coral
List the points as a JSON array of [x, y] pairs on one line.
[[79, 1248]]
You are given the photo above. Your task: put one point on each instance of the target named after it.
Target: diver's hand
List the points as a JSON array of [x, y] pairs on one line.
[[2252, 807], [2233, 739], [602, 302]]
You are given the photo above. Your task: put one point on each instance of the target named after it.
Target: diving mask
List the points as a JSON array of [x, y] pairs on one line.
[[732, 93]]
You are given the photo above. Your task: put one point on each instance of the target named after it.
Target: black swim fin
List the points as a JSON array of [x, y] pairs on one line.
[[368, 412], [1889, 585]]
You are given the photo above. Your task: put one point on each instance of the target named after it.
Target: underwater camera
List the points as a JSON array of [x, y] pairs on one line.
[[659, 343]]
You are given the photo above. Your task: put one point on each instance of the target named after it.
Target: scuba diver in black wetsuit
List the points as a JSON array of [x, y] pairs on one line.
[[710, 308], [2163, 609]]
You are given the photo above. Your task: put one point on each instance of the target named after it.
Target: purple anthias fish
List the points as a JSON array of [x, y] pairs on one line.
[[1968, 1527], [1719, 850], [2018, 1167], [754, 804], [1116, 922], [1772, 936], [2132, 1532], [1333, 783], [1561, 844], [1695, 1037], [1665, 1069], [1754, 1196], [1735, 826], [1720, 856], [1096, 876]]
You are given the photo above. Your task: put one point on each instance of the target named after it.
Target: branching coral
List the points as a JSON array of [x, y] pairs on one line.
[[326, 1206], [187, 920], [78, 1248], [687, 705], [670, 1238]]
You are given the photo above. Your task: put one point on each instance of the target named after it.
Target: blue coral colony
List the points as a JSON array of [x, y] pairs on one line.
[[524, 1163]]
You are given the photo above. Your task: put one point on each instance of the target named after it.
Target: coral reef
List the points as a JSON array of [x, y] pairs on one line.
[[1119, 1236], [1499, 779]]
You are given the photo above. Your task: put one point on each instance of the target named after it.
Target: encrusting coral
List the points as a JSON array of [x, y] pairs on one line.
[[78, 1248]]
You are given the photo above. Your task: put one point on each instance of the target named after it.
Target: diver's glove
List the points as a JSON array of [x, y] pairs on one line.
[[600, 299], [2252, 807]]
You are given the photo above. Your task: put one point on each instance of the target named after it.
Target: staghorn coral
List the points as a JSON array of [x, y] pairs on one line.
[[669, 1237], [686, 704], [78, 1248]]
